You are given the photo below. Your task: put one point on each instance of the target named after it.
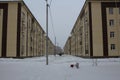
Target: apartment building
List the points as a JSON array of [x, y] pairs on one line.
[[67, 47], [51, 47], [20, 33], [96, 32]]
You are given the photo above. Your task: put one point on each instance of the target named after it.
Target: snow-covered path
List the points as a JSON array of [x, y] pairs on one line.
[[59, 69]]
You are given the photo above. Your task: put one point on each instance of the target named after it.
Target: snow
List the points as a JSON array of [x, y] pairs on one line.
[[59, 68]]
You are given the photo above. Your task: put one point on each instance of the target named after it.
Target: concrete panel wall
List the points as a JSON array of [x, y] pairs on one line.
[[97, 29], [23, 31], [29, 35], [86, 35], [115, 28], [12, 29], [1, 23], [25, 36]]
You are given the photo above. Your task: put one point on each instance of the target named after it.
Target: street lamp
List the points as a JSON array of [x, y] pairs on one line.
[[47, 5]]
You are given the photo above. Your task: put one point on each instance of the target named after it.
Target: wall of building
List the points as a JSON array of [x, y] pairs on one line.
[[12, 29], [50, 48], [97, 29], [115, 28], [22, 35], [29, 45], [42, 42], [34, 41], [85, 20], [1, 23], [67, 48], [80, 38], [90, 36]]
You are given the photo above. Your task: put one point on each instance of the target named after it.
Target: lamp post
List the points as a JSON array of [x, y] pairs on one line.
[[47, 5], [55, 48]]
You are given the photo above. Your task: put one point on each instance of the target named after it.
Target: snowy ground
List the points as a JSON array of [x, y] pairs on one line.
[[59, 69]]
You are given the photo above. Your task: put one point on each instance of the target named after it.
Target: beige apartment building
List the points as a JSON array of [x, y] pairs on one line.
[[96, 32], [67, 47], [20, 33], [51, 47]]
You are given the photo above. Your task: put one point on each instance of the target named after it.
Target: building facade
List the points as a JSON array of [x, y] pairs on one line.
[[96, 32], [20, 33], [67, 47]]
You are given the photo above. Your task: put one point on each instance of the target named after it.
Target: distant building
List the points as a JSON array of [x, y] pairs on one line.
[[20, 33], [67, 47], [51, 47], [96, 32]]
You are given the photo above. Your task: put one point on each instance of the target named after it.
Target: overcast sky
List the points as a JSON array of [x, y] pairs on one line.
[[64, 14]]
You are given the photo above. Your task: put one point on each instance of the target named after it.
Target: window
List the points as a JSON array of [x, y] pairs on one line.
[[22, 22], [86, 52], [112, 34], [29, 24], [31, 39], [80, 42], [86, 13], [0, 12], [112, 46], [111, 22], [119, 21], [22, 50], [31, 49], [119, 10], [110, 10]]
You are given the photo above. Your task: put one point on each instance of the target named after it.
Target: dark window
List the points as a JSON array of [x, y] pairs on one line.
[[86, 51], [110, 10], [29, 24], [22, 50], [80, 42], [119, 10], [112, 46], [111, 22], [31, 49], [119, 21], [31, 39], [0, 12], [112, 34]]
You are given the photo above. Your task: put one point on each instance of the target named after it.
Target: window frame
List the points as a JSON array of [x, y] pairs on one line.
[[112, 34], [119, 10], [119, 21], [111, 10], [0, 12], [113, 46], [111, 22]]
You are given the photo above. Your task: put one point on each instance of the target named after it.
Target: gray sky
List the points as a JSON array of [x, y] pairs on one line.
[[64, 14]]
